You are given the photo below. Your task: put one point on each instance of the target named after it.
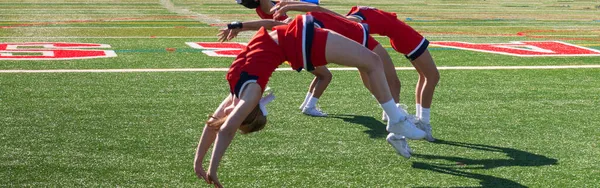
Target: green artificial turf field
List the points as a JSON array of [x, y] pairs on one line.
[[134, 120]]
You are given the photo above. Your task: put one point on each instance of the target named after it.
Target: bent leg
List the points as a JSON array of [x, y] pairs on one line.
[[321, 81], [309, 94], [390, 72], [429, 76], [420, 84], [364, 77], [342, 51], [313, 84], [323, 78]]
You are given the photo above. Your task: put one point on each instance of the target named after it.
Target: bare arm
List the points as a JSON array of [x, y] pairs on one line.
[[226, 34], [257, 24], [283, 7], [266, 5], [208, 137], [248, 101]]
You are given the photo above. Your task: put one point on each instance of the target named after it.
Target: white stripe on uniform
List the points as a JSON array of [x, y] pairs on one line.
[[304, 41], [365, 34], [417, 48]]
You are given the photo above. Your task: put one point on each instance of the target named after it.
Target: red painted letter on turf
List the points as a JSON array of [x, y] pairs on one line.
[[524, 49], [219, 49], [52, 51]]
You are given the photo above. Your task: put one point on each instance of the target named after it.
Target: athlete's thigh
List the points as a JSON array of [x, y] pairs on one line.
[[249, 98], [343, 51]]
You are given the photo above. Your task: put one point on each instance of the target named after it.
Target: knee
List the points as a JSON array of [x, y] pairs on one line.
[[323, 76], [394, 82], [433, 77], [326, 77], [374, 64]]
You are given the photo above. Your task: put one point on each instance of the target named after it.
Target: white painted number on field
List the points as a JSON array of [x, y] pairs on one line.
[[219, 49], [53, 51], [524, 49]]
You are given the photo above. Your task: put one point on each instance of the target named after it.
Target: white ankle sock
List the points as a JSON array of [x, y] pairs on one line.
[[312, 102], [306, 98], [393, 112], [425, 114], [418, 110]]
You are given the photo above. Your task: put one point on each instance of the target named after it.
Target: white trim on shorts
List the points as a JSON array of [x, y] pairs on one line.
[[244, 86], [365, 35], [417, 48], [304, 41]]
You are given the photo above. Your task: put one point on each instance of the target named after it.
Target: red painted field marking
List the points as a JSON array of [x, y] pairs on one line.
[[518, 48], [53, 51], [49, 45], [222, 53], [219, 49], [524, 49]]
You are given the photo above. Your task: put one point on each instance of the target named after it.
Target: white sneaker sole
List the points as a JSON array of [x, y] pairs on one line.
[[407, 129], [401, 148], [429, 138], [314, 114], [428, 134]]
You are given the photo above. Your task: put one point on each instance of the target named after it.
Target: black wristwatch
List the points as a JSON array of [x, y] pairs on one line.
[[234, 25]]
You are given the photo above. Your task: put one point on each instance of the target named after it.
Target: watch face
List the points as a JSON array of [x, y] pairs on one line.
[[248, 3]]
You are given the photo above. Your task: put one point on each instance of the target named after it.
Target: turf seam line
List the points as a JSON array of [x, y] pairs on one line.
[[167, 4]]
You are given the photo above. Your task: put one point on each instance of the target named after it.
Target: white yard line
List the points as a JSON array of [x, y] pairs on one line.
[[91, 14], [114, 27], [103, 9], [289, 69], [103, 21]]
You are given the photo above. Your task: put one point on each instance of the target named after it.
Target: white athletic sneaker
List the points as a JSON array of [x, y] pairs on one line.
[[314, 111], [427, 128], [409, 116], [384, 116], [399, 143], [407, 147], [405, 128]]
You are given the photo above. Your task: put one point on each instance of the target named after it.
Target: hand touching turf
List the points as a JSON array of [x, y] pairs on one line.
[[213, 179], [227, 34], [199, 157], [200, 173]]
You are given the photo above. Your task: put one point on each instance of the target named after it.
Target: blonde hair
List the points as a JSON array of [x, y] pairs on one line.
[[255, 121]]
